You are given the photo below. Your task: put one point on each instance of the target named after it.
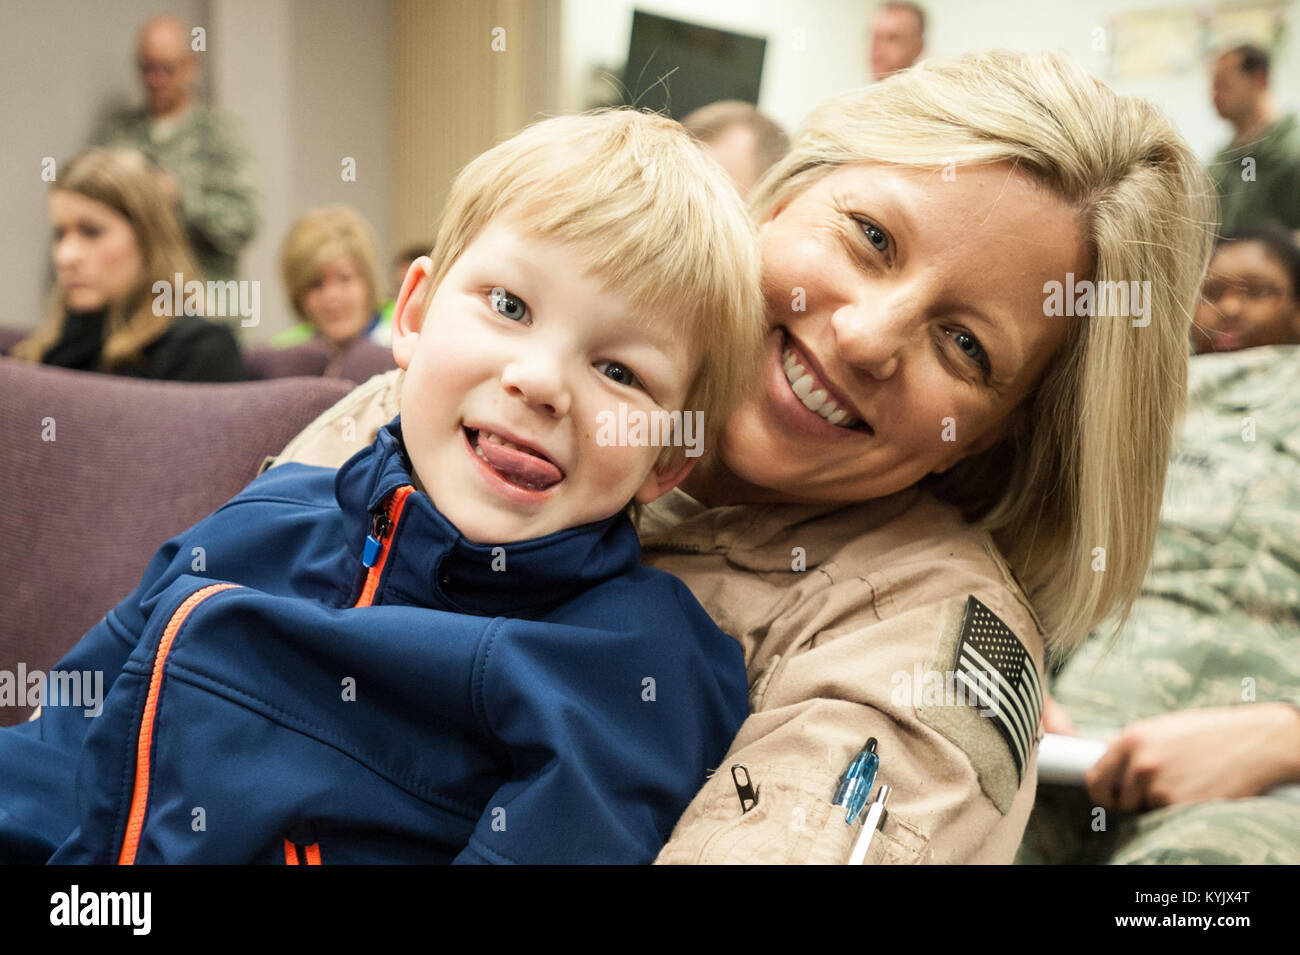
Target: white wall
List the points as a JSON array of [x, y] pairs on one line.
[[597, 32], [307, 79], [61, 71], [959, 25]]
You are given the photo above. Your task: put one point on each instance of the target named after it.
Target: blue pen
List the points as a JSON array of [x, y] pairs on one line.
[[855, 786]]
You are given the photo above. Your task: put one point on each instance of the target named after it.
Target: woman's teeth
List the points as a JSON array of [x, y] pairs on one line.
[[816, 400]]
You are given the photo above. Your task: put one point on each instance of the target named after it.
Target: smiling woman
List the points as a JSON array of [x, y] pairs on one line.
[[924, 437]]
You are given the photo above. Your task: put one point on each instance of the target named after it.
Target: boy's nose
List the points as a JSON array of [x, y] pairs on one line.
[[540, 383]]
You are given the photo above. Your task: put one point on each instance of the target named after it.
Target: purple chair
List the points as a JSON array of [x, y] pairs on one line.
[[98, 471], [362, 360], [9, 337], [309, 358]]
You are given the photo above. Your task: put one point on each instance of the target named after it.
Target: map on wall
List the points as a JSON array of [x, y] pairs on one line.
[[1171, 41]]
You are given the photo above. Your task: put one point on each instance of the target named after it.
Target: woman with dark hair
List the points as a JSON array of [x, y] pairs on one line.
[[1251, 295]]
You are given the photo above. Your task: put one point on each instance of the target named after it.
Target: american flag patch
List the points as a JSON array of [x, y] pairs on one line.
[[994, 665]]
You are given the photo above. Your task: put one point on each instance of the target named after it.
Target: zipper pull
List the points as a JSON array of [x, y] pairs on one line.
[[380, 525]]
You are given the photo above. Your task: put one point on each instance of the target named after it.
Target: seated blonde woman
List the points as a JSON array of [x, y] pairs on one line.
[[118, 249], [328, 265], [915, 491]]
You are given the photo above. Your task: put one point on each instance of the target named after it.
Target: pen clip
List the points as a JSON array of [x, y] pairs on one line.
[[748, 794]]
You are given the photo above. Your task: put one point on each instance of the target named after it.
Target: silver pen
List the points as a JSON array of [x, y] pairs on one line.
[[870, 824]]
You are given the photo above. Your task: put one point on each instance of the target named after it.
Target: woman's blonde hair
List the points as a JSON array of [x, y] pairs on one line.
[[319, 237], [1072, 496], [655, 219], [126, 182]]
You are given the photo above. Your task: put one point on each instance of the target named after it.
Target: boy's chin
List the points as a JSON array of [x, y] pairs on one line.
[[502, 527]]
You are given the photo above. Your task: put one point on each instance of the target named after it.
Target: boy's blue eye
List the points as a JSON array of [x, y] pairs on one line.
[[508, 305], [621, 374]]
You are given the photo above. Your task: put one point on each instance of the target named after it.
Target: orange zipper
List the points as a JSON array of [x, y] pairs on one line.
[[140, 794], [311, 853], [395, 505]]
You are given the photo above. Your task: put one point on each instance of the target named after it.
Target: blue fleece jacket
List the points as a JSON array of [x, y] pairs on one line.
[[369, 686]]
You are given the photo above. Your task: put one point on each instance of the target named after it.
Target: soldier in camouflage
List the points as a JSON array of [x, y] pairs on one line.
[[1201, 688], [208, 170]]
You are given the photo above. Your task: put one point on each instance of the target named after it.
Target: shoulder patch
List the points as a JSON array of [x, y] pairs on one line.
[[996, 700]]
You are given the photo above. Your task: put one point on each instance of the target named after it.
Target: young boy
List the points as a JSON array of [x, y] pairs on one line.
[[446, 650]]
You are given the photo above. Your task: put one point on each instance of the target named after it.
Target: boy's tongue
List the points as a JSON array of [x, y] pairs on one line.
[[520, 467]]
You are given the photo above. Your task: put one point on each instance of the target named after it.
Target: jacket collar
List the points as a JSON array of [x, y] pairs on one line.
[[431, 564]]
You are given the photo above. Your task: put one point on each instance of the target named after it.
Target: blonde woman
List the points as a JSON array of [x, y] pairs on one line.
[[329, 272], [935, 482], [118, 251]]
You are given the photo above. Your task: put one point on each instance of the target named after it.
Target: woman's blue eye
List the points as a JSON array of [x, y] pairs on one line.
[[621, 374], [875, 235], [971, 347], [508, 305]]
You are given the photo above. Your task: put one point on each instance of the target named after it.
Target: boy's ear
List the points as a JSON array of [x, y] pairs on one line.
[[656, 485], [408, 310]]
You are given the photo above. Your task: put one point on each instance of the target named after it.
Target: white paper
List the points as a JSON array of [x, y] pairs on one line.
[[1064, 759]]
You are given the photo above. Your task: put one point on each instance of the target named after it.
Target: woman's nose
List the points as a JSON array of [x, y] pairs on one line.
[[65, 252], [539, 381], [870, 336]]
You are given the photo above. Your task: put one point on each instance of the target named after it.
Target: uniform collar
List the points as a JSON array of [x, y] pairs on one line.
[[431, 564], [777, 537]]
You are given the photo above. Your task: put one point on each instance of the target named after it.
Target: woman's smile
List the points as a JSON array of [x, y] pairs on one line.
[[804, 399]]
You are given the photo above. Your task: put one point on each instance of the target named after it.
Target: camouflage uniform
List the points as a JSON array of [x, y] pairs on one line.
[[219, 202], [1217, 623]]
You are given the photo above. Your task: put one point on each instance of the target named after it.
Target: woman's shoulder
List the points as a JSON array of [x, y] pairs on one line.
[[930, 553], [195, 349]]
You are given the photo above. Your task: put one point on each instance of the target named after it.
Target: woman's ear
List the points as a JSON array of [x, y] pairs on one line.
[[408, 311]]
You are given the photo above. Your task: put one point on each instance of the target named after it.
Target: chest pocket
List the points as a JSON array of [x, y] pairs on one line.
[[792, 823]]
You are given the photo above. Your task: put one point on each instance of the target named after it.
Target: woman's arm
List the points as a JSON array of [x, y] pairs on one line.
[[872, 651]]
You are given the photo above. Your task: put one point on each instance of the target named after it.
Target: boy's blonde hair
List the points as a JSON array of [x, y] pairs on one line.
[[129, 184], [319, 237], [655, 218], [1084, 464]]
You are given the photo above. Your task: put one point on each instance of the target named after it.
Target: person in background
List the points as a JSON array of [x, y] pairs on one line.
[[208, 169], [743, 141], [1251, 295], [1199, 695], [115, 237], [401, 264], [328, 268], [897, 38], [1258, 173]]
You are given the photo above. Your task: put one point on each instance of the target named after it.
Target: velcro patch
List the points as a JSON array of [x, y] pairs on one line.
[[993, 663], [987, 697]]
